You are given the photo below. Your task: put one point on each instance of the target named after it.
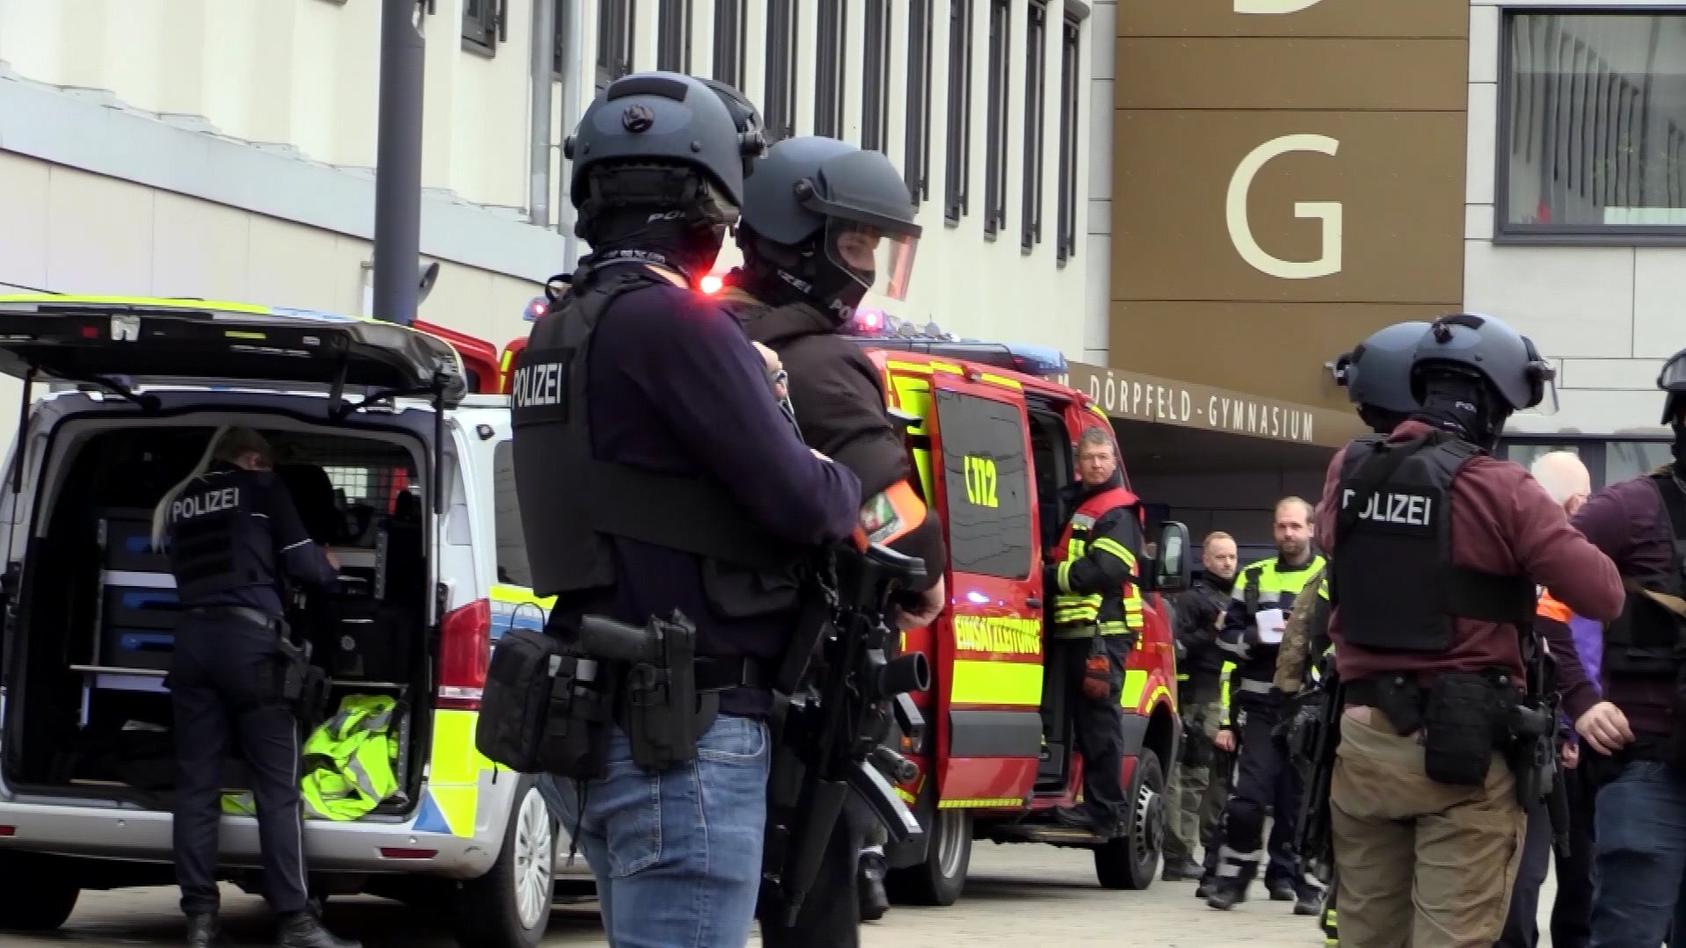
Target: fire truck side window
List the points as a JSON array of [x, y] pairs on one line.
[[987, 481]]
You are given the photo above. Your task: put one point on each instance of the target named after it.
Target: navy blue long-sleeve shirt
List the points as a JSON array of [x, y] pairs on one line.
[[676, 386], [266, 536]]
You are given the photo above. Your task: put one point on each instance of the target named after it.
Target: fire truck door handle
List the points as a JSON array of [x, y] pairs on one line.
[[1033, 602]]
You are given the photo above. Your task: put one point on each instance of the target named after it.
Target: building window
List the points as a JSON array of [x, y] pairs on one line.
[[1608, 461], [1070, 86], [729, 42], [1035, 77], [875, 88], [616, 20], [995, 149], [779, 108], [483, 25], [1592, 136], [559, 36], [959, 109], [918, 159], [673, 37], [828, 93]]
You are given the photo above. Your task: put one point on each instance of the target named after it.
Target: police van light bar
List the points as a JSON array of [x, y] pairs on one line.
[[1037, 360]]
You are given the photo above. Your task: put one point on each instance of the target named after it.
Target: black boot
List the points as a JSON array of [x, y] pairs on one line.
[[1181, 870], [1226, 892], [870, 881], [204, 931], [303, 930], [1282, 890], [1309, 901]]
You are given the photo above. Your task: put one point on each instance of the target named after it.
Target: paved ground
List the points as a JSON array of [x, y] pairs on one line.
[[1015, 896]]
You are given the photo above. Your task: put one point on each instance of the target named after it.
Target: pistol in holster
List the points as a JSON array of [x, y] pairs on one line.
[[659, 706], [300, 685]]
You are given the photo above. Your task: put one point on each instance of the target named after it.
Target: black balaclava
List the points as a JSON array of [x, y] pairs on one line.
[[1464, 404], [1679, 448], [776, 274], [1380, 420], [656, 214]]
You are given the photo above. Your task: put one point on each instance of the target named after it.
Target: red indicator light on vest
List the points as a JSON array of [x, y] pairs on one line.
[[711, 284]]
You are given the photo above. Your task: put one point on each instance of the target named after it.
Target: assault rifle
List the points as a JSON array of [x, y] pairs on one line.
[[838, 695], [1312, 746], [1533, 726]]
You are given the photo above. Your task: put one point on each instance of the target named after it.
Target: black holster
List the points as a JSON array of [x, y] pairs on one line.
[[301, 686], [1467, 716], [660, 707]]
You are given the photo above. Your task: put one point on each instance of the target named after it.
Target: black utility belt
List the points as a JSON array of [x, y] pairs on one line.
[[244, 614], [1463, 717]]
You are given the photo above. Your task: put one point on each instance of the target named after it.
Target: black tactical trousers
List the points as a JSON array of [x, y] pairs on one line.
[[1266, 783], [220, 688], [1099, 725]]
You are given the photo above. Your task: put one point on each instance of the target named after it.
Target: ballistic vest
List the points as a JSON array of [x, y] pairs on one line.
[[1648, 640], [1077, 614], [572, 503], [348, 760], [217, 544], [1392, 574]]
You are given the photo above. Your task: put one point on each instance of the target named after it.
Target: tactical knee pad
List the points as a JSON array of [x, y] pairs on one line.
[[1244, 824]]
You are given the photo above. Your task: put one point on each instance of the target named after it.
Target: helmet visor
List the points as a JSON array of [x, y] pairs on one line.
[[870, 254], [1543, 376], [1673, 381]]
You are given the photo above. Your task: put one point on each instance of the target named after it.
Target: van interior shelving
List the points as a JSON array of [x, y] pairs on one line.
[[96, 607]]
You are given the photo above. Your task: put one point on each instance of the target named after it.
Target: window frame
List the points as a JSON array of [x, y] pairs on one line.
[[831, 61], [957, 441], [1000, 67], [1035, 121], [958, 160], [921, 39], [731, 41], [671, 43], [1593, 450], [1506, 232], [558, 38], [875, 77], [482, 34], [627, 19], [778, 111], [1071, 98]]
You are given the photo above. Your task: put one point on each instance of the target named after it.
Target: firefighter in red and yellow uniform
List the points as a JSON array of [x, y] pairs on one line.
[[1095, 620]]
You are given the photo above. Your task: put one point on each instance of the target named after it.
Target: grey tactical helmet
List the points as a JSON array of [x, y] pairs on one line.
[[1378, 372], [1485, 346], [662, 118], [811, 192]]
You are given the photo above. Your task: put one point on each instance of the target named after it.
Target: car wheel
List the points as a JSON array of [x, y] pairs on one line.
[[39, 893], [940, 878], [509, 906], [1131, 861]]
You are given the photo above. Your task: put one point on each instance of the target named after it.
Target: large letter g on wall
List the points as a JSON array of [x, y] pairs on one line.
[[1329, 212]]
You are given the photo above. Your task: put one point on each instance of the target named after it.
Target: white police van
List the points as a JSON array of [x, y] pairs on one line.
[[393, 462]]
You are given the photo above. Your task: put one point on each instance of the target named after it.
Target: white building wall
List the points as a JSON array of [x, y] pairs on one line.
[[224, 148], [1608, 314]]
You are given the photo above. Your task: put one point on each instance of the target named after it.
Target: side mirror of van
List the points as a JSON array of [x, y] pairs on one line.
[[1172, 569]]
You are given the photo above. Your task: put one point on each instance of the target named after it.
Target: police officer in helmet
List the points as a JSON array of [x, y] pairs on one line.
[[1635, 744], [1436, 551], [233, 534], [822, 222], [656, 474]]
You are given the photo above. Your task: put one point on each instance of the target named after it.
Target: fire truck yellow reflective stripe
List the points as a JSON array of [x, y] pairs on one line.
[[948, 367], [899, 366], [906, 797], [455, 767], [1158, 690], [1003, 683], [1097, 410], [979, 804], [1002, 381], [1135, 682]]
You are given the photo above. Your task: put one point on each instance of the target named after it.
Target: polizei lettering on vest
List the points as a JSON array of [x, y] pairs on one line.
[[1412, 510], [209, 502], [538, 386]]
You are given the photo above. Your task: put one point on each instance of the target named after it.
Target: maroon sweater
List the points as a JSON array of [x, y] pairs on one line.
[[1629, 522], [1503, 522]]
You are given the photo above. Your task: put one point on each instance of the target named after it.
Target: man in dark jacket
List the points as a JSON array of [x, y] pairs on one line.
[[1195, 800], [815, 216], [1637, 733]]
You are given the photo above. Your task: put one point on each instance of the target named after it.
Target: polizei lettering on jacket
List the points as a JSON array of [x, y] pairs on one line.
[[186, 508], [1410, 510], [538, 388]]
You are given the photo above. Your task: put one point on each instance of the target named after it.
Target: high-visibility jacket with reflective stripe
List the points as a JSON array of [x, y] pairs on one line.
[[349, 760], [1111, 605], [1267, 584]]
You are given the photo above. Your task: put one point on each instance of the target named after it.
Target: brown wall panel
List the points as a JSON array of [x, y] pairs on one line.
[[1292, 73], [1274, 350], [1398, 177], [1403, 18]]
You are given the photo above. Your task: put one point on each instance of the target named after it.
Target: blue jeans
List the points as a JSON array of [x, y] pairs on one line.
[[1641, 858], [677, 854]]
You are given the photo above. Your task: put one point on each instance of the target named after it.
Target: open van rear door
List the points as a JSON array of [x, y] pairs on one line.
[[988, 720], [115, 343]]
